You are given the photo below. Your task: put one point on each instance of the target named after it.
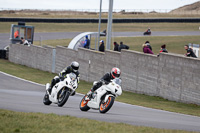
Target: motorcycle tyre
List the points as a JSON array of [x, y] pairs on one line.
[[64, 100], [108, 105], [84, 107], [46, 100]]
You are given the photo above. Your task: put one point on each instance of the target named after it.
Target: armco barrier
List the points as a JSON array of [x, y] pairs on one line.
[[170, 76], [71, 20]]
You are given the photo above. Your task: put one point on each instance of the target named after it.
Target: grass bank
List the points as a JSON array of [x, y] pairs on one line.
[[175, 44], [95, 14], [93, 27], [126, 97], [12, 122]]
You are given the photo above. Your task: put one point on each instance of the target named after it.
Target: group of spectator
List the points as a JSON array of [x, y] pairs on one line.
[[118, 47], [146, 47]]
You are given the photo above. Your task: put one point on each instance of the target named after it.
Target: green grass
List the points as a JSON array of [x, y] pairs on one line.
[[120, 27], [126, 97], [174, 44], [12, 122], [68, 14]]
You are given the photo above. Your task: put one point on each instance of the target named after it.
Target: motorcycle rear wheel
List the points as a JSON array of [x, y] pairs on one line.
[[46, 100], [105, 106], [83, 104], [63, 96]]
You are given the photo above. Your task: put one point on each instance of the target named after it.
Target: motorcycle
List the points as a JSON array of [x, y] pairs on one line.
[[147, 33], [61, 91], [103, 98]]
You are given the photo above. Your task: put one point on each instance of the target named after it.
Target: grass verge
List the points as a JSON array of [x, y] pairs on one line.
[[50, 123], [174, 44], [126, 97], [93, 27]]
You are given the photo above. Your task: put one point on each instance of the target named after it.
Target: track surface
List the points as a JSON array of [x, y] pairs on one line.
[[4, 37], [25, 96]]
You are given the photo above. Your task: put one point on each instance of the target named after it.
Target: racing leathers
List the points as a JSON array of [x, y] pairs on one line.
[[106, 79], [62, 76]]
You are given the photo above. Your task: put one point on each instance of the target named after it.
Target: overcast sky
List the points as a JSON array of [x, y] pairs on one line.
[[94, 4]]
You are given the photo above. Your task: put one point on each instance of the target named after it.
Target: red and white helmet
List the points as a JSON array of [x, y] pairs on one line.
[[115, 72]]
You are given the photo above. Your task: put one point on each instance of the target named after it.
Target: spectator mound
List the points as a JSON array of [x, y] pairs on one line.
[[188, 9]]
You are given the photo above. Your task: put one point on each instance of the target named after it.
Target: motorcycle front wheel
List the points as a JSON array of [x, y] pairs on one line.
[[105, 106], [83, 104], [63, 96], [46, 100]]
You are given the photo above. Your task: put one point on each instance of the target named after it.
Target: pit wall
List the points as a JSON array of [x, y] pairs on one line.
[[173, 77]]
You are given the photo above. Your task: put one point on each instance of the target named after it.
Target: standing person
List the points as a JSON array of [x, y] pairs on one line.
[[146, 49], [190, 52], [163, 49], [102, 47], [148, 44], [116, 46], [16, 34], [122, 46], [87, 42], [24, 41]]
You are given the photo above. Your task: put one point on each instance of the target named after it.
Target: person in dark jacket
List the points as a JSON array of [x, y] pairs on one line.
[[148, 44], [102, 47], [106, 79], [116, 46], [190, 52], [73, 68], [146, 49], [163, 49], [122, 46], [87, 42]]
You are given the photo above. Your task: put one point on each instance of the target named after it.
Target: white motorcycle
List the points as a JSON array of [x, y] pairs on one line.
[[61, 91], [103, 98]]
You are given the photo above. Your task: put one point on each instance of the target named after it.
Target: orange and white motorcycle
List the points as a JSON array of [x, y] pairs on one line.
[[103, 98]]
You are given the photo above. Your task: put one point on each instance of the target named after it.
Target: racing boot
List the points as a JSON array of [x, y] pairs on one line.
[[49, 89]]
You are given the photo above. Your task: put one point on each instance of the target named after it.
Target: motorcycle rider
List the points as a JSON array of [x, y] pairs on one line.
[[106, 79], [72, 68]]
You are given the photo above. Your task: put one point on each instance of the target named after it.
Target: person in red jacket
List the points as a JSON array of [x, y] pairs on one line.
[[146, 49], [16, 34]]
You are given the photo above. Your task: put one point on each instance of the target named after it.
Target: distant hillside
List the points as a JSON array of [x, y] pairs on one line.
[[188, 9]]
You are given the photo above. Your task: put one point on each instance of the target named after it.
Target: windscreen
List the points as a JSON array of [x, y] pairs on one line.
[[117, 81]]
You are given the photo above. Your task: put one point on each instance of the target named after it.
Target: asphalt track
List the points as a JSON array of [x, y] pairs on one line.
[[25, 96], [4, 37]]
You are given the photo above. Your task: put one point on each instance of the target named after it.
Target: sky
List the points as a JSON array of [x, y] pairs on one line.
[[93, 4]]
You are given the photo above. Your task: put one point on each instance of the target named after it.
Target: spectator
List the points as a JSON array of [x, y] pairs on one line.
[[122, 46], [146, 49], [16, 34], [163, 49], [148, 44], [116, 46], [24, 42], [102, 47], [87, 42], [190, 52]]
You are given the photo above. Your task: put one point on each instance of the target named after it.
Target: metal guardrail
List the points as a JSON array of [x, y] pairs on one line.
[[136, 20]]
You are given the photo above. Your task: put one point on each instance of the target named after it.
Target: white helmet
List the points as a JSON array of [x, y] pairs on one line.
[[75, 66]]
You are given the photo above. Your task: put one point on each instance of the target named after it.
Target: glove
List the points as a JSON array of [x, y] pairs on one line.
[[62, 78]]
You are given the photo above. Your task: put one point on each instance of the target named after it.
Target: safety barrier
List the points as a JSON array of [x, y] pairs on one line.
[[170, 76], [139, 20]]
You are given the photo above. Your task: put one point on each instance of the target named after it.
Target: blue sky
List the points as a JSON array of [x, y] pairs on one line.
[[94, 4]]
